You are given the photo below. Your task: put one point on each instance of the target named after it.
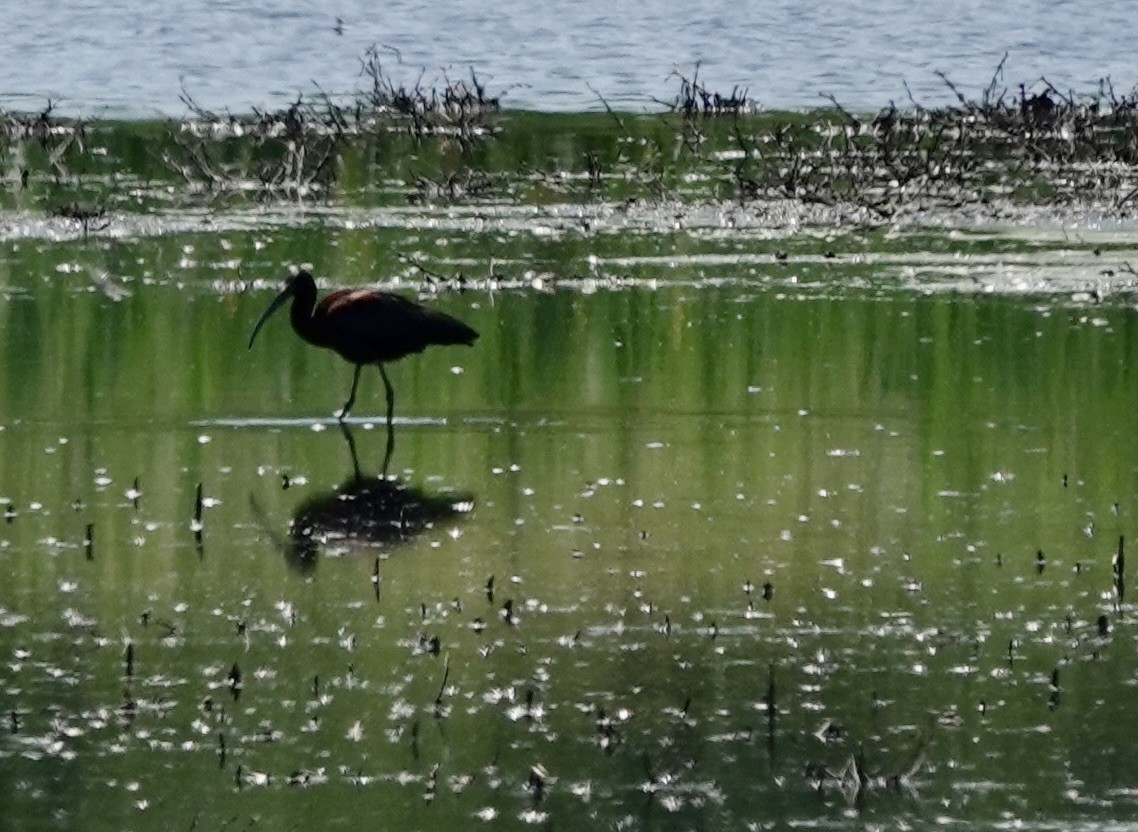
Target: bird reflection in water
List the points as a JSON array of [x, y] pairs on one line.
[[367, 512]]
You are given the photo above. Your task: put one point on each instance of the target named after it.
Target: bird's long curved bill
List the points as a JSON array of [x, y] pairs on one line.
[[278, 301]]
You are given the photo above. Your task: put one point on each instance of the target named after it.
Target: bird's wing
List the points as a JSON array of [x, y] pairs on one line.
[[367, 325]]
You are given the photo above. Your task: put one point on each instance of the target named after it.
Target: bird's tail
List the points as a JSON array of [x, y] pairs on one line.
[[448, 330]]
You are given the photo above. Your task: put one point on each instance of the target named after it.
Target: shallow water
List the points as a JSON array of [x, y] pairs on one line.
[[715, 506], [131, 58]]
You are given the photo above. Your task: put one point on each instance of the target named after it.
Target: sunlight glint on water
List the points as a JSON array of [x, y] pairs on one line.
[[696, 531]]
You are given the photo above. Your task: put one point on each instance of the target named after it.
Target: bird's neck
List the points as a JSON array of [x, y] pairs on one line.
[[304, 321]]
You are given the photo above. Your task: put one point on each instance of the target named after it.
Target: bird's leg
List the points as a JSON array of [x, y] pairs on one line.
[[351, 396], [390, 394]]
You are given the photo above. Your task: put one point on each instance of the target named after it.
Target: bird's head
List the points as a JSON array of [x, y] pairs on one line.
[[300, 283]]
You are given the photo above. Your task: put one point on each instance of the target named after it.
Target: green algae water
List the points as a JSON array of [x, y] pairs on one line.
[[730, 519]]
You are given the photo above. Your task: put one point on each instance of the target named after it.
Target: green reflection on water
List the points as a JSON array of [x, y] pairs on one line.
[[634, 464]]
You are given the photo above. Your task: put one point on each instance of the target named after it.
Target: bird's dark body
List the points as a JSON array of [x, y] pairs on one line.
[[365, 326]]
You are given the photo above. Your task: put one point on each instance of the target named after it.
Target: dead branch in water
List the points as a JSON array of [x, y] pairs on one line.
[[696, 100]]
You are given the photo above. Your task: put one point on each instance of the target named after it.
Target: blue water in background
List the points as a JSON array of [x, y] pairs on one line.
[[100, 57]]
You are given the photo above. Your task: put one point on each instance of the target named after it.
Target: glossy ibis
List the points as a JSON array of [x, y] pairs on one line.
[[365, 326]]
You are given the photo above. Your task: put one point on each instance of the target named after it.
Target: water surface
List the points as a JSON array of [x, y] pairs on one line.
[[730, 519], [131, 58], [929, 490]]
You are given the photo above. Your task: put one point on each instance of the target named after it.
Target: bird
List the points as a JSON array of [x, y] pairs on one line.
[[364, 326]]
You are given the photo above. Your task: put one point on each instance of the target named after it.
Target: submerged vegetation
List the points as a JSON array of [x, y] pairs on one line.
[[450, 141]]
